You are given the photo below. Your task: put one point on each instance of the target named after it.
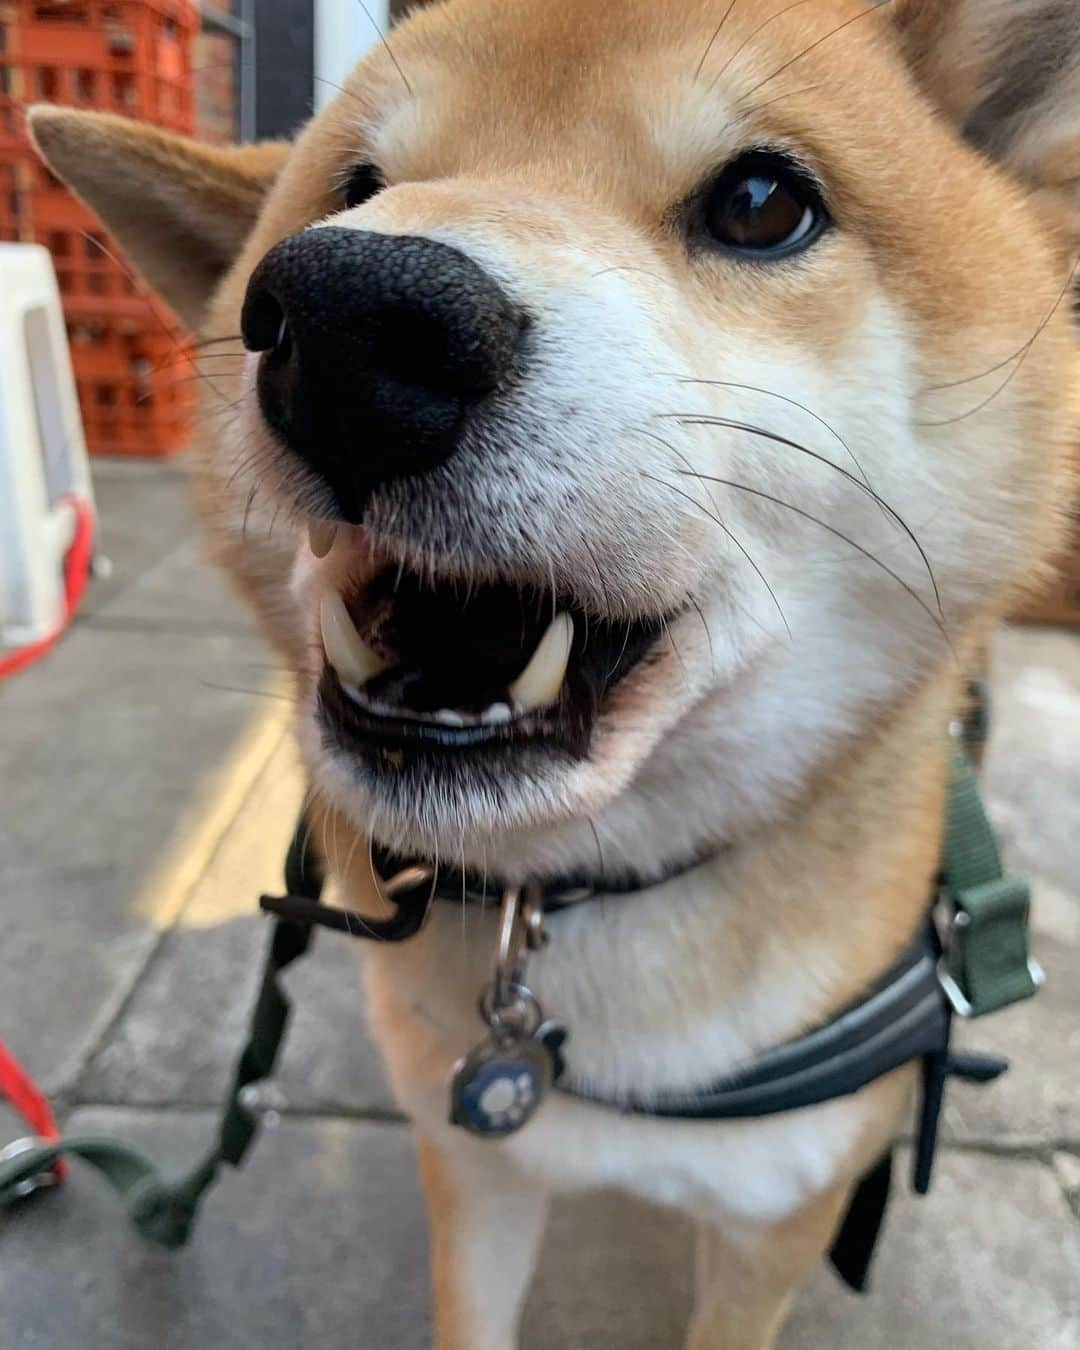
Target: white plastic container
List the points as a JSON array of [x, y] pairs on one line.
[[42, 450]]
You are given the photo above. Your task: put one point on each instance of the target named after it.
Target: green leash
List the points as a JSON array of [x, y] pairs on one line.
[[984, 966], [164, 1211]]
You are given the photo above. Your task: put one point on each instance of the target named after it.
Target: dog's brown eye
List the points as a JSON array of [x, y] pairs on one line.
[[764, 204], [364, 182]]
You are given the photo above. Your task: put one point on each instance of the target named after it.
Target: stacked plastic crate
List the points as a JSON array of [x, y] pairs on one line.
[[122, 56]]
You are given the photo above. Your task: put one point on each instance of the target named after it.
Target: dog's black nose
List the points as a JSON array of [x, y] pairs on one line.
[[375, 348]]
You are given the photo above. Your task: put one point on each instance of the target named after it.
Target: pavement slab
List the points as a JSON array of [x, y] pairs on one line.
[[179, 1036], [183, 593], [111, 749], [144, 512], [112, 746], [320, 1242], [317, 1243]]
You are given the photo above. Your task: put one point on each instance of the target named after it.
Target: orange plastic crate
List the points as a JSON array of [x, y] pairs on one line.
[[136, 385], [123, 56]]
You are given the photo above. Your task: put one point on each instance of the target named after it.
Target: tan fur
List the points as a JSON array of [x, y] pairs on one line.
[[540, 128]]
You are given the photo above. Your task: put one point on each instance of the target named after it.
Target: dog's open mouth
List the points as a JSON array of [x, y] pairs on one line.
[[442, 666]]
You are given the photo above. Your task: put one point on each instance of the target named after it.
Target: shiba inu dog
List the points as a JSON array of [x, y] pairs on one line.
[[628, 419]]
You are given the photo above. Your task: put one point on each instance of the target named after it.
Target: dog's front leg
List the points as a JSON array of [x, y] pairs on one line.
[[746, 1281], [486, 1221]]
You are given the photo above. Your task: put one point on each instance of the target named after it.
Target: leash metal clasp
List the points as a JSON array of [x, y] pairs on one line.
[[498, 1086], [40, 1180], [521, 930]]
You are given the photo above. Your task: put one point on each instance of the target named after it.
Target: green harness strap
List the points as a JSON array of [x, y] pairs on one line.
[[164, 1211], [985, 962], [984, 966]]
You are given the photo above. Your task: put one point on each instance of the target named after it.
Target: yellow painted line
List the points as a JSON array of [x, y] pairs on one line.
[[203, 825]]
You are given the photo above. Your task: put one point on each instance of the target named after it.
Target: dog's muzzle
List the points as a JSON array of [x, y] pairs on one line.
[[375, 349]]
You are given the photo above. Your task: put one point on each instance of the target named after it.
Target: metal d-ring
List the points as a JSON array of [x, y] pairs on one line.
[[519, 1016]]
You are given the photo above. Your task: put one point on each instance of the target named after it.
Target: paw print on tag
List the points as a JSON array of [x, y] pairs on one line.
[[495, 1092], [506, 1100]]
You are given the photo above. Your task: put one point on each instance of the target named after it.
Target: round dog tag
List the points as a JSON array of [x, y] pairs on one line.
[[498, 1086]]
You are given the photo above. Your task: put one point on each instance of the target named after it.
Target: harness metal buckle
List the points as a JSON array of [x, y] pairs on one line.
[[952, 925]]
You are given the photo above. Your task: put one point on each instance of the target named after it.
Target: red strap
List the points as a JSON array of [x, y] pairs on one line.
[[30, 1102], [76, 576]]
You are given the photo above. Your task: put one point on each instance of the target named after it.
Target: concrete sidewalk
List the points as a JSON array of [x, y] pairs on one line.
[[150, 787]]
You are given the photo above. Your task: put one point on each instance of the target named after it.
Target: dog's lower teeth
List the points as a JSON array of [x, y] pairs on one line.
[[496, 715], [449, 718]]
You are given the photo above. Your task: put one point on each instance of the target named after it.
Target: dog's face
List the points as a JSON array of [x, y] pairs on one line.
[[646, 395]]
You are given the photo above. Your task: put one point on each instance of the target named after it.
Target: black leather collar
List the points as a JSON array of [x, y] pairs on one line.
[[457, 886]]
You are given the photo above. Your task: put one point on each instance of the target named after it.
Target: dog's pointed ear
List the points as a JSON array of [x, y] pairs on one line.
[[1008, 73], [180, 210]]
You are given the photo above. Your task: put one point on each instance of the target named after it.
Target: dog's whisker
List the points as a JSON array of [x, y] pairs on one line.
[[601, 866], [712, 41], [813, 46], [714, 516], [796, 4], [792, 402], [1019, 358], [936, 619], [732, 424], [704, 623], [608, 607], [247, 510], [255, 693], [674, 647], [1021, 352], [738, 544], [199, 343], [762, 104], [384, 42]]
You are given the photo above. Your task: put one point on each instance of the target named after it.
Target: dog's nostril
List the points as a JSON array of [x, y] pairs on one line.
[[264, 325]]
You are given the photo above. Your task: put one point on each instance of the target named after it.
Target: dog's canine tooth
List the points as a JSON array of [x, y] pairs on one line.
[[346, 650], [497, 714], [539, 683], [449, 718], [321, 536]]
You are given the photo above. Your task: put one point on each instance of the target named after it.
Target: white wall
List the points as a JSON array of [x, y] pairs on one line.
[[343, 32]]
